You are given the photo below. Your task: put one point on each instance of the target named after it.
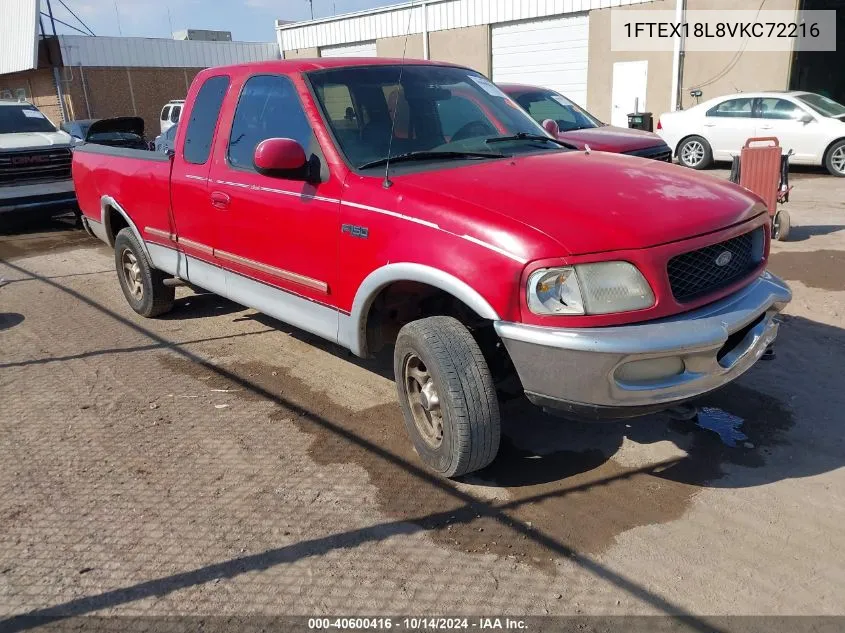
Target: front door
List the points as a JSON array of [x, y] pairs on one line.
[[728, 125], [630, 80], [782, 119], [279, 236]]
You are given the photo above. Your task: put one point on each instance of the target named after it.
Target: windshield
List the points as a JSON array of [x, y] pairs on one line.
[[23, 118], [546, 104], [822, 105], [434, 109]]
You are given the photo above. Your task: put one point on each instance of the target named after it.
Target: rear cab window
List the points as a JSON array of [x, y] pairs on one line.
[[165, 113], [205, 112]]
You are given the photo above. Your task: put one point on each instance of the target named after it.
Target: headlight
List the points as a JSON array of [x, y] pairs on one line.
[[599, 288]]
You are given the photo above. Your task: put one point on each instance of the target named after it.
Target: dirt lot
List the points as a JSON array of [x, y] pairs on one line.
[[219, 462]]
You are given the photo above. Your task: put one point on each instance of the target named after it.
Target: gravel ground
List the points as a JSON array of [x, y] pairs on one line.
[[219, 462]]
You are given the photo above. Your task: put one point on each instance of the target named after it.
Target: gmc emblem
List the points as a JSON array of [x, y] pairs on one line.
[[30, 160]]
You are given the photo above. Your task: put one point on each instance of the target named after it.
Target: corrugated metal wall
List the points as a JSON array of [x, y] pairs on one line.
[[160, 53], [441, 15], [18, 35]]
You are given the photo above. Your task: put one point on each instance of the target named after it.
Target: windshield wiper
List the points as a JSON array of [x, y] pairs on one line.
[[427, 155], [525, 136]]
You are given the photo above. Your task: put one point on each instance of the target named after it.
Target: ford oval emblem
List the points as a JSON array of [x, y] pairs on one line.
[[724, 259]]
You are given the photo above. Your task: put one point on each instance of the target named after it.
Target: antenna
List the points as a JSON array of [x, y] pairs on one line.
[[387, 184], [170, 21], [117, 13]]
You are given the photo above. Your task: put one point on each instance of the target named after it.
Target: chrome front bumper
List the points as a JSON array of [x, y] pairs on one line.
[[599, 372]]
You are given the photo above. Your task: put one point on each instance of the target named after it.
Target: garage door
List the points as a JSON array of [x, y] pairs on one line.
[[549, 53], [359, 49]]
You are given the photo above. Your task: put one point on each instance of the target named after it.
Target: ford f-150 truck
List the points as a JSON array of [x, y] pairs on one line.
[[35, 163], [610, 285]]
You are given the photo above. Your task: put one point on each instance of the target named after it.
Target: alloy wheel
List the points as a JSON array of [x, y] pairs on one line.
[[424, 401], [132, 274], [838, 160], [692, 153]]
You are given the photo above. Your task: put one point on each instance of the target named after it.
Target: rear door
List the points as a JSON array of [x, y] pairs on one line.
[[280, 232], [195, 220], [728, 125]]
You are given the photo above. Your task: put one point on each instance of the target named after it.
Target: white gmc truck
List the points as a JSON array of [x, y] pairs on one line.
[[35, 163]]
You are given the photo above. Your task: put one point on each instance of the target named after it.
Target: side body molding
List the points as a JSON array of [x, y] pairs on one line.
[[107, 202], [352, 329]]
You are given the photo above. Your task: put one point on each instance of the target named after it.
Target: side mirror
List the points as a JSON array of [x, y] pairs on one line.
[[551, 127], [807, 118], [280, 157]]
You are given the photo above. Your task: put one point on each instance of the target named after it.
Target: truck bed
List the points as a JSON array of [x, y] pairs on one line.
[[122, 174]]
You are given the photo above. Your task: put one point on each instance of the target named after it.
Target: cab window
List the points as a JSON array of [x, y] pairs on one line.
[[268, 108], [165, 113]]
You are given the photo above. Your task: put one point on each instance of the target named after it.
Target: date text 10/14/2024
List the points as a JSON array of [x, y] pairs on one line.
[[416, 624]]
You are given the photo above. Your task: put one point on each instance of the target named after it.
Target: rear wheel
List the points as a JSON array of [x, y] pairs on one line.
[[142, 285], [447, 396], [695, 152], [835, 159]]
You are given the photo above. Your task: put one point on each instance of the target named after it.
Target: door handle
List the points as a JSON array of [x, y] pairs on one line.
[[709, 125], [220, 200], [766, 127]]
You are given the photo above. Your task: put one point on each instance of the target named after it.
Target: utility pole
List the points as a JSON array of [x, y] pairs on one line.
[[56, 77], [311, 3]]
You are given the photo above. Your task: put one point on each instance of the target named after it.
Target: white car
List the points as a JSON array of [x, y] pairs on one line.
[[170, 114], [810, 125]]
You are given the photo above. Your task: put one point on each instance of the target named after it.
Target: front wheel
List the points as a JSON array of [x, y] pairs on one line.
[[695, 153], [447, 396], [835, 159]]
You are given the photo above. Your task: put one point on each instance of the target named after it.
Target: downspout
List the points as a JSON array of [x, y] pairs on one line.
[[85, 92], [677, 58], [425, 31]]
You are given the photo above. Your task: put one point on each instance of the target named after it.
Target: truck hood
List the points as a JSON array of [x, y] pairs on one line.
[[587, 203], [612, 139], [33, 140]]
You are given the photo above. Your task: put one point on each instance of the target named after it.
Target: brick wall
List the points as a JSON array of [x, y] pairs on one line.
[[110, 91]]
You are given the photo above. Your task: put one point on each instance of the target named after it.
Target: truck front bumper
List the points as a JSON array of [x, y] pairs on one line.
[[35, 198], [621, 372]]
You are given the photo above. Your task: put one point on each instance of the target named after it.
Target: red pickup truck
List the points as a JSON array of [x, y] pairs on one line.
[[610, 285]]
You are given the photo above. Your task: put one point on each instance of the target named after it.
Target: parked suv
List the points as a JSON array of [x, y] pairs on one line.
[[35, 162], [170, 114]]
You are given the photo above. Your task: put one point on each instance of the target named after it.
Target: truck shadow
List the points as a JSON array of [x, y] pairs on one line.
[[752, 432]]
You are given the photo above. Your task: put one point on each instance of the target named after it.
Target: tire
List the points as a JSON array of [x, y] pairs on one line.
[[781, 225], [694, 152], [142, 285], [438, 362], [834, 160]]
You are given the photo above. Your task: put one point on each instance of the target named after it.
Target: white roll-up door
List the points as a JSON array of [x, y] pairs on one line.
[[359, 49], [551, 53]]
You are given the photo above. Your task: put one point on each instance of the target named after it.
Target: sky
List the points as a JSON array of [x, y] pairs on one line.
[[248, 20]]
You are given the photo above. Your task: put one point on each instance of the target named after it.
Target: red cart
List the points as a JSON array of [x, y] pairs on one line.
[[763, 169]]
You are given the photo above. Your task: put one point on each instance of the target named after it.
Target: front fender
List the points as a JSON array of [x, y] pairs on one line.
[[352, 329]]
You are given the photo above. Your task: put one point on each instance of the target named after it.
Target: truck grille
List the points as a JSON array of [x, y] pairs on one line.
[[658, 152], [709, 269], [35, 166]]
